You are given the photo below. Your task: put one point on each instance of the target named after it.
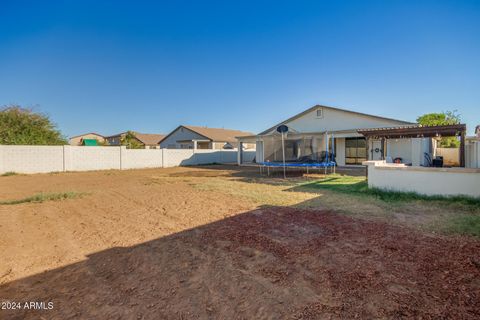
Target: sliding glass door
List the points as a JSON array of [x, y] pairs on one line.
[[355, 150]]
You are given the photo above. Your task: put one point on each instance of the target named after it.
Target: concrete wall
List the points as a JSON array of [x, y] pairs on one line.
[[40, 159], [412, 151], [400, 148], [31, 159], [472, 154], [424, 180], [451, 156], [91, 158], [141, 158]]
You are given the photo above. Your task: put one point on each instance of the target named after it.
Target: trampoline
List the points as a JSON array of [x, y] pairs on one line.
[[301, 153], [307, 165]]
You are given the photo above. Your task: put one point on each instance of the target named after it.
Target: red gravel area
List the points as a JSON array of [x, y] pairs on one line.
[[271, 263], [360, 269]]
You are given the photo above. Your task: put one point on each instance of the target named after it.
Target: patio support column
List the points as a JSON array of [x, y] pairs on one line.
[[194, 144], [383, 148], [240, 153], [367, 141], [462, 149]]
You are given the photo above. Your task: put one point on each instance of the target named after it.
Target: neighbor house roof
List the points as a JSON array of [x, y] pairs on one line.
[[332, 108], [215, 134], [145, 138], [149, 138], [116, 135], [84, 134]]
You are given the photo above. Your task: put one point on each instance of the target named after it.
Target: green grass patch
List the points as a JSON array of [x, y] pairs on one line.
[[42, 197], [464, 224], [358, 186], [9, 173]]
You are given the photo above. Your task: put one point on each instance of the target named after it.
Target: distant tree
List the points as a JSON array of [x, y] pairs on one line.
[[441, 119], [23, 126], [131, 141]]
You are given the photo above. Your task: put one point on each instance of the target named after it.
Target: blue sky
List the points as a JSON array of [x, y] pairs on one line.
[[110, 66]]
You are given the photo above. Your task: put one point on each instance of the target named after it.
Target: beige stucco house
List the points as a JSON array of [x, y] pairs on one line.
[[193, 137], [148, 140], [77, 140], [319, 128]]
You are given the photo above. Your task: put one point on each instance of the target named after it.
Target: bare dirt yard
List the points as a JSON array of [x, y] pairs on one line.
[[222, 242]]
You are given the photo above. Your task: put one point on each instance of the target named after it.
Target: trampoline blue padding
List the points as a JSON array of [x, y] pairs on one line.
[[299, 164]]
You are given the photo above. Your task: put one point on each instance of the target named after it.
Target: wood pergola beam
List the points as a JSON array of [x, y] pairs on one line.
[[415, 131]]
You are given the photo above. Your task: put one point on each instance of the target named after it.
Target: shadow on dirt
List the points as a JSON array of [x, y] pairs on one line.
[[252, 174]]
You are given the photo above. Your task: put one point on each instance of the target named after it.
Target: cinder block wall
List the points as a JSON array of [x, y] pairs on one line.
[[424, 180], [40, 159]]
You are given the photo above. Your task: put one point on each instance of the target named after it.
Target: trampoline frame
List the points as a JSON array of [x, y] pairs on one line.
[[326, 163], [317, 165]]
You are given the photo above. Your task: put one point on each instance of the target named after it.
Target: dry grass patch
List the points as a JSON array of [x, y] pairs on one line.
[[42, 197]]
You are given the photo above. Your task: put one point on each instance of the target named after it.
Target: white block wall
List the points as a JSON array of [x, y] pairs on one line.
[[177, 157], [31, 159], [92, 158], [472, 154], [142, 158], [217, 156], [450, 155], [424, 180], [39, 159]]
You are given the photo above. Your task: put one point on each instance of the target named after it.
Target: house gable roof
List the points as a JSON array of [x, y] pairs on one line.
[[116, 135], [219, 134], [213, 134], [301, 114], [84, 134], [149, 138]]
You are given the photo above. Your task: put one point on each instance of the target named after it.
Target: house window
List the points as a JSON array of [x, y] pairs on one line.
[[355, 150], [320, 113]]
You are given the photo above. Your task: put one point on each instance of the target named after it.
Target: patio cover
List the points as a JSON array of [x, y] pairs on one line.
[[419, 131]]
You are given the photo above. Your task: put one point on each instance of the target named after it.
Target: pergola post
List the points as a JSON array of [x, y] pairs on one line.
[[367, 142], [383, 148], [462, 149]]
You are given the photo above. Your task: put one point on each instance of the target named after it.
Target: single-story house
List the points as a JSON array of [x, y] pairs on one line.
[[193, 137], [148, 140], [321, 129], [86, 139]]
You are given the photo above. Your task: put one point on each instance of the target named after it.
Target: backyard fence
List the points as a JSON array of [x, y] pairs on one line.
[[451, 156], [38, 159]]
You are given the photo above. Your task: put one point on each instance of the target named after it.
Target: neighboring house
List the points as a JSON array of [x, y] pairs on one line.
[[192, 137], [86, 139], [148, 140], [310, 129]]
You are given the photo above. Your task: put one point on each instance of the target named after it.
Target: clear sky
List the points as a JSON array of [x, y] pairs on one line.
[[111, 66]]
